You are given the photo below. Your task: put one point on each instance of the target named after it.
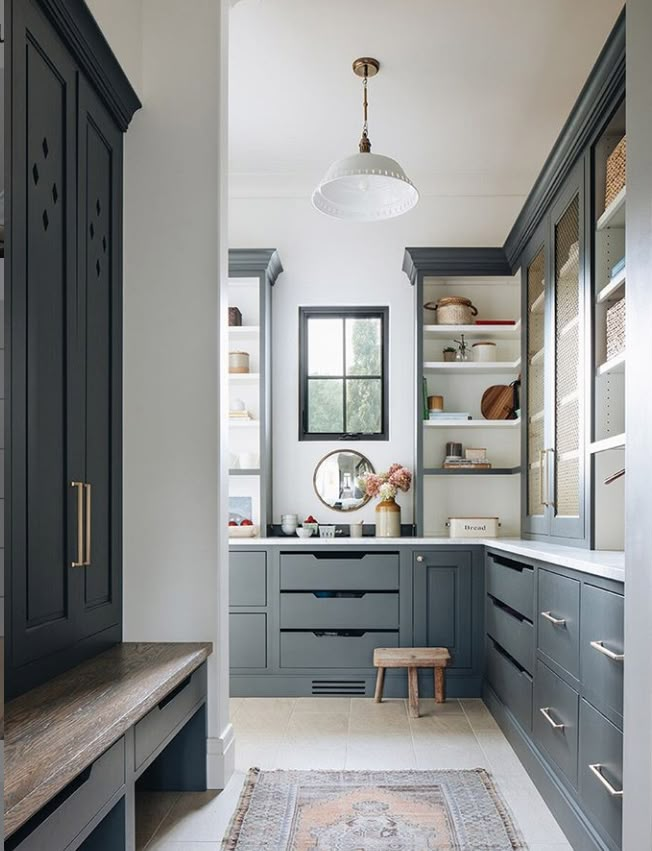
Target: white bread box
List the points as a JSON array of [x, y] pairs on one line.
[[473, 527]]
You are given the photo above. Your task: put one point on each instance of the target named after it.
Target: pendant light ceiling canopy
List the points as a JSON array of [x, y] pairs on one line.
[[365, 187]]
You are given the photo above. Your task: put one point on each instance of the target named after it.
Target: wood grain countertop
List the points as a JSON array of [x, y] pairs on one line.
[[55, 731]]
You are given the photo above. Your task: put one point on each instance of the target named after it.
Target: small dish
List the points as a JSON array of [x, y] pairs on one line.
[[303, 532]]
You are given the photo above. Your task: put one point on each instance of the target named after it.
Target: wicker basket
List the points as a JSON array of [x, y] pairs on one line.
[[453, 310], [616, 329], [235, 317], [616, 171]]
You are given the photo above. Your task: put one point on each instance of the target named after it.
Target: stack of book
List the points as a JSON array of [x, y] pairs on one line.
[[240, 415], [466, 464], [444, 416]]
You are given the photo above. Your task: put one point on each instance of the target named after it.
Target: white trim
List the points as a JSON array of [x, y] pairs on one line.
[[220, 758]]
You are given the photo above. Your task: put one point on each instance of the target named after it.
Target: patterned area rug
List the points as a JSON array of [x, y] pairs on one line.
[[371, 811]]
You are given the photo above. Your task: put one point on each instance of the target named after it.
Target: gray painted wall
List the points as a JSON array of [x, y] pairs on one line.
[[637, 781]]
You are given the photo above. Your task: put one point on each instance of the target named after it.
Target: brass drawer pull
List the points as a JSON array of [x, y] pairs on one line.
[[89, 525], [553, 620], [596, 768], [545, 711], [599, 646], [80, 524]]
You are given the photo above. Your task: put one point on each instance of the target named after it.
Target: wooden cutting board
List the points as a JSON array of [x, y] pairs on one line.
[[498, 402]]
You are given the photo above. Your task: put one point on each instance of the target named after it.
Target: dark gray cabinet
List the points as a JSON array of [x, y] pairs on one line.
[[601, 650], [601, 771], [64, 348], [559, 620]]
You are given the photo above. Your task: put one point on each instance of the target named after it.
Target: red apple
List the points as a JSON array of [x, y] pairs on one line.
[[246, 522], [232, 523]]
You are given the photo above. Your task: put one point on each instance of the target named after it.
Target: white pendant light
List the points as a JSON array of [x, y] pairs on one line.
[[365, 187]]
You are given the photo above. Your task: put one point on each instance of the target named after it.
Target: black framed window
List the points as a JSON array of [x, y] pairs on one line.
[[343, 368]]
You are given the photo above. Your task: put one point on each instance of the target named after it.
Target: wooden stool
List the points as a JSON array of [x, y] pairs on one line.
[[412, 658]]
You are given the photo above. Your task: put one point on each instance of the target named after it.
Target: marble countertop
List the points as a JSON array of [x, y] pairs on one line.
[[607, 564]]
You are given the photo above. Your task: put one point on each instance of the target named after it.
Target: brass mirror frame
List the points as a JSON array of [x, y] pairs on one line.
[[328, 455]]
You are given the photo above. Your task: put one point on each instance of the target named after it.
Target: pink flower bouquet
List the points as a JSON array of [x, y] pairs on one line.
[[387, 485]]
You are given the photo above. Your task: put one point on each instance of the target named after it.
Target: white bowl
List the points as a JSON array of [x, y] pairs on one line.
[[302, 532]]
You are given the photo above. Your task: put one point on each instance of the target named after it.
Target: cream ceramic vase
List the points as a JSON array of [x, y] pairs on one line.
[[388, 519]]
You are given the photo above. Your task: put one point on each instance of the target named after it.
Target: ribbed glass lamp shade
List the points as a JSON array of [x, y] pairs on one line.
[[365, 188]]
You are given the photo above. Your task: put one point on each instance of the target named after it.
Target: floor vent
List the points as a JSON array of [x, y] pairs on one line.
[[335, 687]]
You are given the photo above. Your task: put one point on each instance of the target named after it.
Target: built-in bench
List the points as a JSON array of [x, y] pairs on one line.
[[75, 747]]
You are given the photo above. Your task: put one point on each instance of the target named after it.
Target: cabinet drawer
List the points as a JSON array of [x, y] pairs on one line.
[[84, 798], [248, 579], [601, 744], [326, 571], [512, 583], [248, 640], [364, 611], [514, 633], [560, 703], [602, 638], [512, 685], [152, 730], [330, 650], [559, 619]]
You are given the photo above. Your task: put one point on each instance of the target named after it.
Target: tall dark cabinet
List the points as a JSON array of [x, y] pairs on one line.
[[68, 109]]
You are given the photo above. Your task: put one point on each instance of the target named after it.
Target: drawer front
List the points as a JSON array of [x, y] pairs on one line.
[[601, 744], [559, 600], [512, 685], [513, 633], [367, 611], [325, 571], [560, 702], [152, 730], [328, 650], [602, 675], [92, 790], [248, 579], [512, 583], [248, 640]]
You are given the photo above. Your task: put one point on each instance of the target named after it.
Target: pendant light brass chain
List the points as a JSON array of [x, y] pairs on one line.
[[365, 144]]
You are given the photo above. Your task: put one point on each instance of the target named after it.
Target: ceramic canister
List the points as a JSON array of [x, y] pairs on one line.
[[484, 352], [238, 362]]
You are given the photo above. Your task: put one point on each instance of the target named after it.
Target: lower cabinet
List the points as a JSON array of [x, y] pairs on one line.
[[248, 640], [555, 720]]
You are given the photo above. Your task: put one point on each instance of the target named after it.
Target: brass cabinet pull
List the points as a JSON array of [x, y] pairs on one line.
[[80, 524], [553, 620], [543, 462], [596, 769], [599, 646], [89, 525], [542, 453], [545, 711]]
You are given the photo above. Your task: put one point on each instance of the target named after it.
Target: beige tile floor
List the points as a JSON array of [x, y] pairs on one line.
[[349, 733]]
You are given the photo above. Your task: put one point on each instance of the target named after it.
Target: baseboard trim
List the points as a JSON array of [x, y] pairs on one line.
[[572, 820], [458, 684], [220, 758]]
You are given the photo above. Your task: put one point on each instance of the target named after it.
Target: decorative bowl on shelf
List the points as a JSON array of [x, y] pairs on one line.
[[243, 531], [304, 532]]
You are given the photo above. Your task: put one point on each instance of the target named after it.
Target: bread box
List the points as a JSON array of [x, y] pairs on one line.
[[473, 527]]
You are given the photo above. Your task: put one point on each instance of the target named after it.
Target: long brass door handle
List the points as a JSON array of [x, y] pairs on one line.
[[80, 524], [89, 525]]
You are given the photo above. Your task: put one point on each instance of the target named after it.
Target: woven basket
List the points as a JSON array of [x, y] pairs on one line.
[[235, 317], [616, 329], [616, 171], [453, 310]]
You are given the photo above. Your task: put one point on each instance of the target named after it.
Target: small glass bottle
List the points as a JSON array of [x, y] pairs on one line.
[[462, 349]]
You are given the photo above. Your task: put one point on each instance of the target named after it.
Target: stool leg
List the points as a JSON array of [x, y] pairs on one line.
[[440, 685], [380, 682], [413, 692]]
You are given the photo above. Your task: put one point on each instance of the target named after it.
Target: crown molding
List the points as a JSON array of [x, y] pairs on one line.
[[247, 262], [450, 262]]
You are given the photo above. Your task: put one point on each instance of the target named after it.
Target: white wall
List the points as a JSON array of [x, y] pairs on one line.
[[121, 21], [332, 262]]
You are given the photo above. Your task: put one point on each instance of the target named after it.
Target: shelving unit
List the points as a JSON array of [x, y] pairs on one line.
[[616, 364], [252, 274], [494, 471], [476, 424], [472, 367], [473, 332]]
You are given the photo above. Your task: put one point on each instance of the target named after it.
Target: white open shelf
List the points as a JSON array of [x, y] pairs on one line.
[[616, 441], [614, 215], [616, 364], [243, 330], [614, 286], [471, 423], [489, 332], [473, 367], [243, 423], [243, 377]]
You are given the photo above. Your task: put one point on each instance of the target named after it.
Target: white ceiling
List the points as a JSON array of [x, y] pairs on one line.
[[470, 97]]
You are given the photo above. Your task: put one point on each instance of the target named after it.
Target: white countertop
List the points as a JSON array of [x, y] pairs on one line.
[[607, 564]]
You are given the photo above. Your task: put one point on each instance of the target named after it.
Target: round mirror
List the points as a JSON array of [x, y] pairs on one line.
[[336, 479]]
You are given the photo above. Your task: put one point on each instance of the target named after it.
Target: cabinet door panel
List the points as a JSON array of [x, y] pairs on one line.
[[44, 387], [100, 152], [443, 604]]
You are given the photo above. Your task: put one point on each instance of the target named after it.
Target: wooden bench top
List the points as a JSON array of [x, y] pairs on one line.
[[57, 730], [411, 657]]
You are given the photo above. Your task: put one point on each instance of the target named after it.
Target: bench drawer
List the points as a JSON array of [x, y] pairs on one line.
[[363, 611], [347, 571], [248, 579], [84, 798], [248, 640], [559, 619], [512, 685], [602, 674], [332, 650], [560, 703], [512, 583], [514, 633], [601, 744], [152, 730]]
